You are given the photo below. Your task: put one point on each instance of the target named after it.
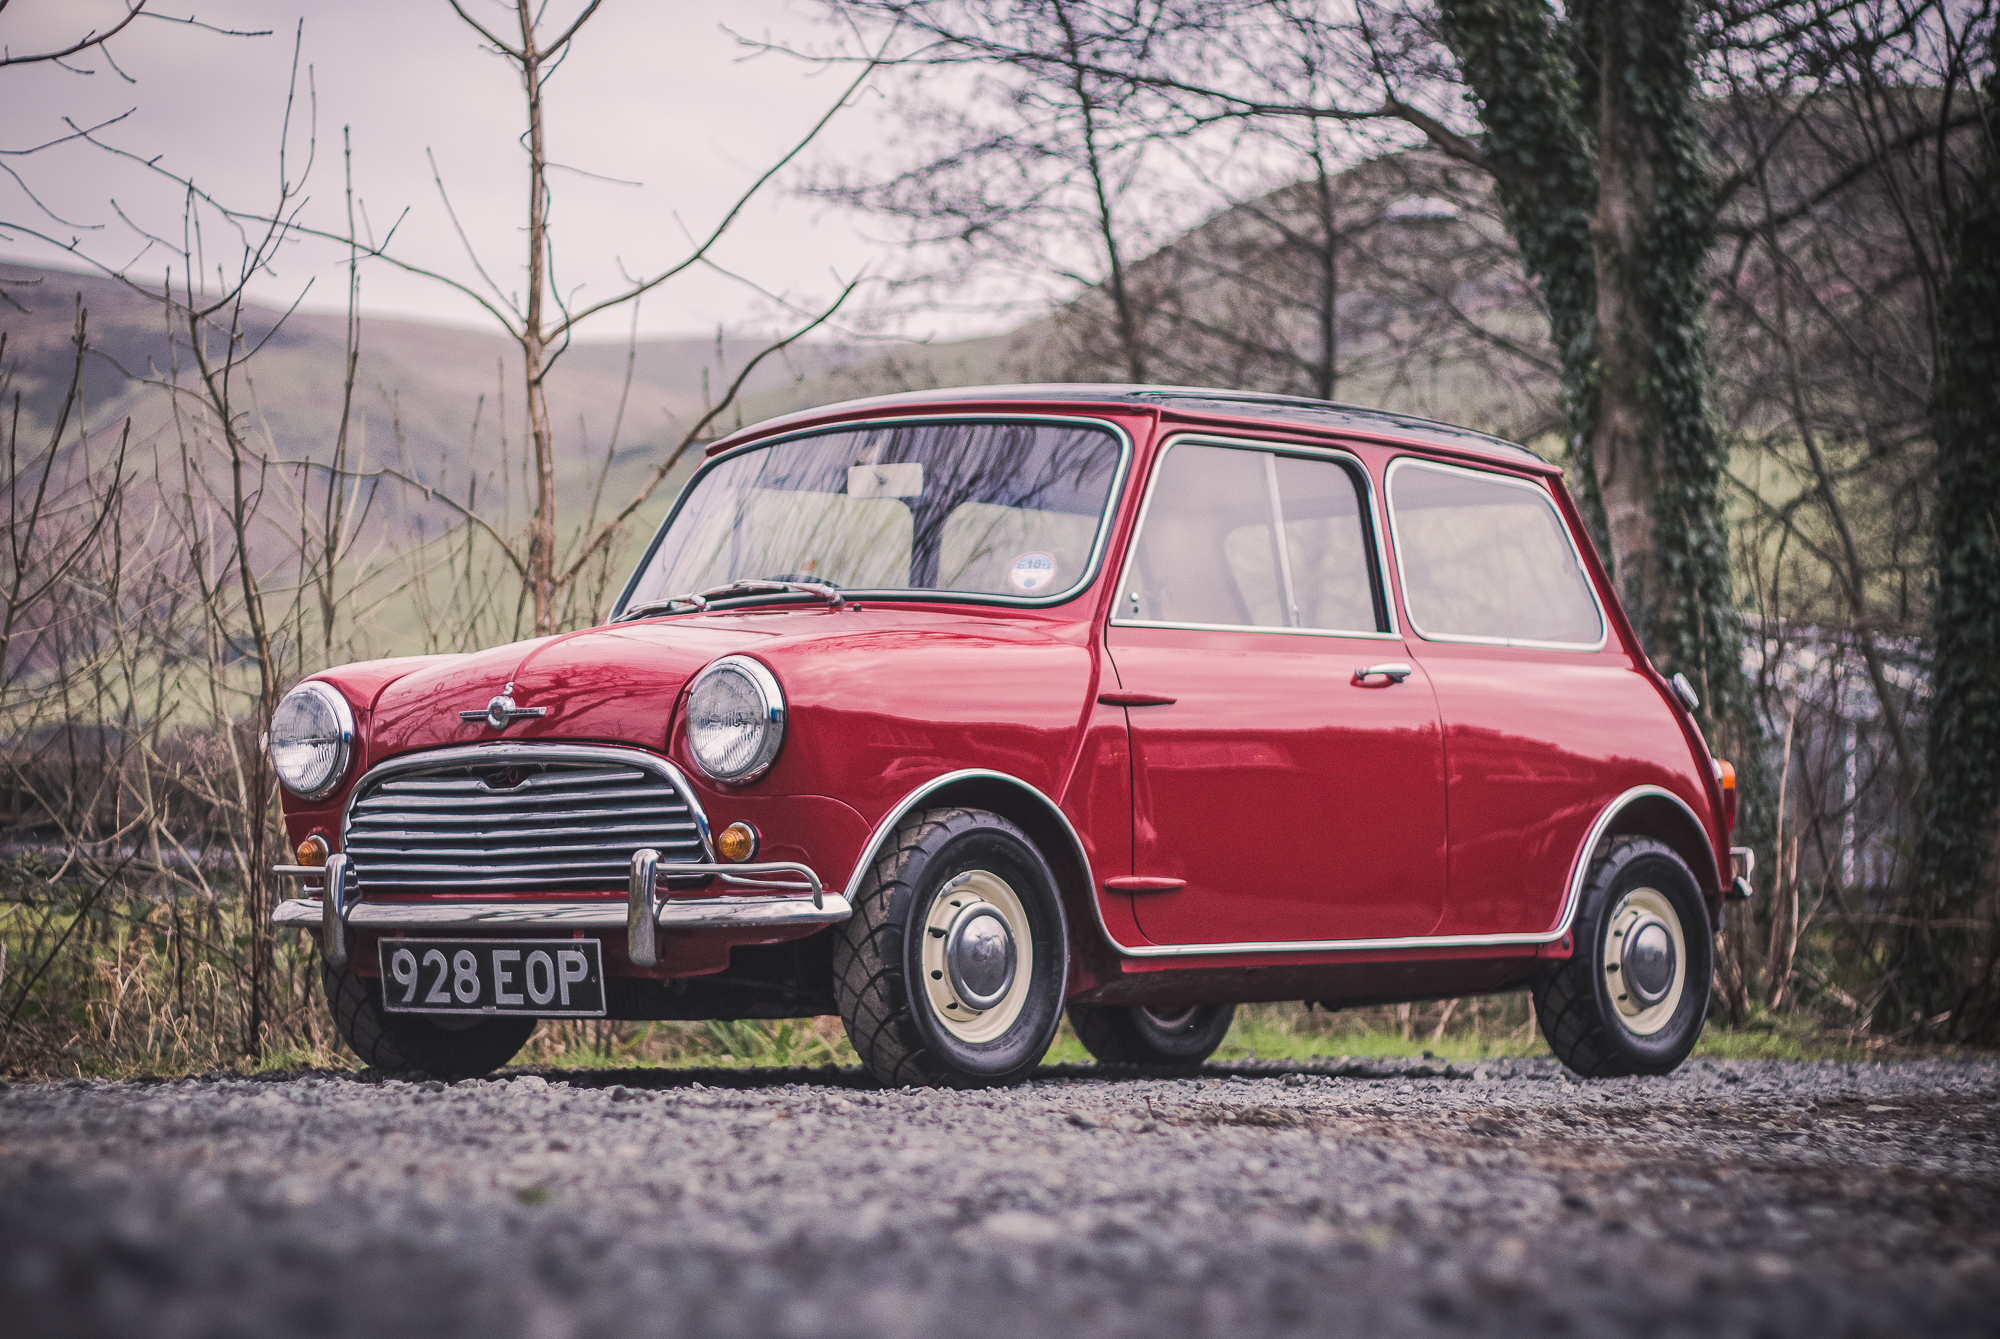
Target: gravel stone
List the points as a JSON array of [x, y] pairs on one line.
[[1377, 1198]]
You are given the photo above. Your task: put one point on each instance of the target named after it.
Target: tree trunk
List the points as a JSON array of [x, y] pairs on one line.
[[1542, 152], [1653, 450], [1935, 959], [534, 346], [1589, 130]]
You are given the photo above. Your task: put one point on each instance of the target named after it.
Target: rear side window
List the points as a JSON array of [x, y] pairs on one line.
[[1236, 537], [1487, 558]]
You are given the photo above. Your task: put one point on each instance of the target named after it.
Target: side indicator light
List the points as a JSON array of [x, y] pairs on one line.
[[736, 843], [312, 851]]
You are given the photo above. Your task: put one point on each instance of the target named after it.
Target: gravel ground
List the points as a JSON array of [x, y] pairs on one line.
[[1382, 1198]]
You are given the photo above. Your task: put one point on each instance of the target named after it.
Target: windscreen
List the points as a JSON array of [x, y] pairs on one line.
[[983, 508]]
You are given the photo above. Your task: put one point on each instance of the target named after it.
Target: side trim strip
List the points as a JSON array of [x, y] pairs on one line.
[[1579, 870]]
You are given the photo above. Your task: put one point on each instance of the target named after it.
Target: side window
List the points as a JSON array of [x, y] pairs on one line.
[[1489, 558], [1245, 538]]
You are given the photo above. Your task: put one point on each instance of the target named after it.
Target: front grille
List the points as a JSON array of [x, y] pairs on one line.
[[550, 827]]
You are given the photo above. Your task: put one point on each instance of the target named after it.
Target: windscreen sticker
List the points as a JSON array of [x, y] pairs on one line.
[[1032, 572], [905, 479]]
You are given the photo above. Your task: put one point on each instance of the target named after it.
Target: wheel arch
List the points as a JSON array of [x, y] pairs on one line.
[[1650, 811], [1020, 804]]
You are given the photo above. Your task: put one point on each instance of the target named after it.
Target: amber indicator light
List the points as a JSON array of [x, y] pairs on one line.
[[312, 851], [1726, 774], [736, 842]]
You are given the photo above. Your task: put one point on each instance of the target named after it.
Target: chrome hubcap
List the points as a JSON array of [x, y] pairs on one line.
[[1648, 961], [979, 956], [1645, 960]]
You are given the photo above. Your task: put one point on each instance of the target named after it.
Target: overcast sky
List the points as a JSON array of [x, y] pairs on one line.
[[657, 91]]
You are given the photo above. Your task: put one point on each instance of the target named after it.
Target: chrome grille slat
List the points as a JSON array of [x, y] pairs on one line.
[[475, 802], [429, 839], [444, 825], [494, 819]]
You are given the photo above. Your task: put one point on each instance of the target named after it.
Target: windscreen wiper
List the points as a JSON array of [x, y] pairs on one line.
[[751, 586]]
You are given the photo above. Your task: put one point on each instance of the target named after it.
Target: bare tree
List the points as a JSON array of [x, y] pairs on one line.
[[1031, 143]]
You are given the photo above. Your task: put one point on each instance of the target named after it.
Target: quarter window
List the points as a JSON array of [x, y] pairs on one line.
[[1241, 538], [1488, 559]]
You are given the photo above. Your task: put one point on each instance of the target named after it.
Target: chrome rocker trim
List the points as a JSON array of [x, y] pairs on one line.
[[1573, 895], [1579, 872]]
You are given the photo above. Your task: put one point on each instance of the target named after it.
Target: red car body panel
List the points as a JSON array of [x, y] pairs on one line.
[[1337, 840], [1288, 796]]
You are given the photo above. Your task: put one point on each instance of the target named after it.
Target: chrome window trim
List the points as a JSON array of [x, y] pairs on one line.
[[524, 752], [1467, 639], [1106, 520], [1579, 872], [1251, 627], [1305, 451]]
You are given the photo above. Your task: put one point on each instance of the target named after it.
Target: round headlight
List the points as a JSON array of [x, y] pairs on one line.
[[312, 733], [736, 719]]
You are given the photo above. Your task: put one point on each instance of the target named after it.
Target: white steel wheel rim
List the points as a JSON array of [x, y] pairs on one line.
[[1637, 913], [969, 893], [1170, 1019]]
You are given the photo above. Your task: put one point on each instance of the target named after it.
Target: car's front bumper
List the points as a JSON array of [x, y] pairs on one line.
[[799, 901], [693, 913]]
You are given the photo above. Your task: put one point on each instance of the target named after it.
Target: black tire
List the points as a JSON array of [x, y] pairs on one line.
[[880, 979], [402, 1043], [1595, 1022], [1170, 1038]]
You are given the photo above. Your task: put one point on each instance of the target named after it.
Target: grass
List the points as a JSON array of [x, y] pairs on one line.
[[1260, 1032], [112, 1009]]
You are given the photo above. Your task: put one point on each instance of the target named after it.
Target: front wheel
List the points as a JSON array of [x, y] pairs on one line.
[[1633, 997], [445, 1047], [1172, 1037], [952, 968]]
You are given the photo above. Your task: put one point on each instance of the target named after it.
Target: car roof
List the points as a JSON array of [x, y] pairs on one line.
[[1190, 402]]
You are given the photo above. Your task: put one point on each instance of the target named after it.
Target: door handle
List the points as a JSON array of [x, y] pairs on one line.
[[1394, 673], [1140, 883], [1125, 698]]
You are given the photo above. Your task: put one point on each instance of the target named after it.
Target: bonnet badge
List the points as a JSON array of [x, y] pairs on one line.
[[501, 711]]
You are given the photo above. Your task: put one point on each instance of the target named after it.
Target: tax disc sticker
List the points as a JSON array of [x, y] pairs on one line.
[[1032, 572]]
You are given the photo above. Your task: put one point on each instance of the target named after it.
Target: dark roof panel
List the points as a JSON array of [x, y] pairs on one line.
[[1192, 400]]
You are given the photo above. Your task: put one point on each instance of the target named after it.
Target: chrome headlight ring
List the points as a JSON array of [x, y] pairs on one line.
[[312, 740], [736, 720]]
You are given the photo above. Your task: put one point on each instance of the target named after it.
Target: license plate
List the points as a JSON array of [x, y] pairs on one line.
[[549, 978]]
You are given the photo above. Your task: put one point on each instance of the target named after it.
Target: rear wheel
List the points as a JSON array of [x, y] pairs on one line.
[[445, 1047], [1177, 1037], [952, 968], [1633, 997]]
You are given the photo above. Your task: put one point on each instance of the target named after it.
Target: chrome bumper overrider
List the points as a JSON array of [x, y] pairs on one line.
[[799, 900]]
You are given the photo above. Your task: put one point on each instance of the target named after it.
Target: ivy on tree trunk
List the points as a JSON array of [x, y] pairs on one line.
[[1954, 867], [1589, 128]]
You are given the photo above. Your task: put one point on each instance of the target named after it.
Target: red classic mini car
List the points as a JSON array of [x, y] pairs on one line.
[[946, 712]]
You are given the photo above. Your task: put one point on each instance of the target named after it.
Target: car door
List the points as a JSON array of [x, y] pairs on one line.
[[1279, 795], [1546, 717]]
